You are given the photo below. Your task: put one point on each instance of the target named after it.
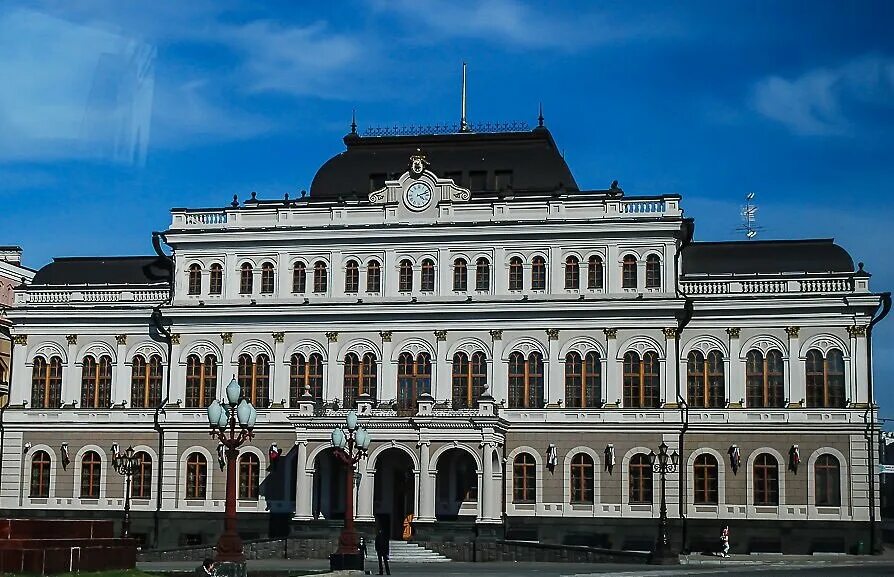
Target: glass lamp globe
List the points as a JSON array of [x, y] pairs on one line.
[[224, 419], [361, 437], [366, 440], [214, 411], [352, 420], [234, 392], [252, 417], [338, 438], [243, 412]]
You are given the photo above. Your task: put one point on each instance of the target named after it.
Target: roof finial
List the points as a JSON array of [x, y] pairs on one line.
[[463, 125], [540, 118], [353, 121]]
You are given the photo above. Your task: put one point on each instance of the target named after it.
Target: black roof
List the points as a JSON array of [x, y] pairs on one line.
[[107, 270], [765, 257], [532, 156]]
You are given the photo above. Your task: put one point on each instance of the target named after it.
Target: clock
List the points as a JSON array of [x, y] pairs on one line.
[[419, 196]]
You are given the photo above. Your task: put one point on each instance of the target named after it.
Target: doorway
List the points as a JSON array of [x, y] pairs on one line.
[[394, 493]]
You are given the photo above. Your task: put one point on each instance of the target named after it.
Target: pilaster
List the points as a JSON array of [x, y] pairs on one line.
[[121, 388], [70, 377], [735, 370], [612, 369], [497, 379], [668, 375], [335, 383], [859, 389], [303, 484], [178, 375], [280, 367], [227, 371], [555, 389], [20, 377], [388, 386], [426, 485], [442, 389], [797, 390]]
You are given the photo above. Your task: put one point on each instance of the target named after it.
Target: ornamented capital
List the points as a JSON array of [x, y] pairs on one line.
[[175, 338], [496, 334], [332, 336], [72, 339], [552, 334], [20, 339], [856, 331], [441, 335], [122, 339], [279, 337], [227, 338], [792, 332], [670, 332], [610, 333], [386, 336], [733, 332]]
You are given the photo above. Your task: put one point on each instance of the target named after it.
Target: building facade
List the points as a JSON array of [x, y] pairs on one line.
[[516, 347], [12, 274]]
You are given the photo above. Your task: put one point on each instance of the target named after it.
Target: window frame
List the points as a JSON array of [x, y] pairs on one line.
[[303, 375], [42, 481], [405, 276], [640, 483], [427, 276], [529, 381], [196, 477], [365, 380], [246, 279], [653, 271], [771, 384], [414, 376], [373, 277], [268, 278], [141, 486], [468, 384], [299, 278], [321, 278], [538, 273], [145, 381], [766, 488], [91, 473], [629, 272], [352, 277], [595, 273], [206, 377], [194, 280], [254, 379], [516, 274], [582, 478], [705, 480], [96, 381], [46, 382], [460, 275], [524, 479], [705, 385], [249, 476], [482, 275], [827, 481], [636, 379], [572, 273], [215, 279], [825, 384]]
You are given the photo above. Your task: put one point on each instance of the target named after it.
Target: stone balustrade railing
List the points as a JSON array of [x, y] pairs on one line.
[[92, 296], [768, 286]]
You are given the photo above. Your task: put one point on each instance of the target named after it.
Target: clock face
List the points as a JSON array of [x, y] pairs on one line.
[[419, 195]]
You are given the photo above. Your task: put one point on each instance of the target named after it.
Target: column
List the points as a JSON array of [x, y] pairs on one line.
[[426, 512], [486, 493], [735, 374], [497, 379], [668, 374], [797, 390], [442, 387], [121, 384], [19, 376], [227, 371], [859, 389], [178, 377], [365, 493], [444, 272], [280, 368], [498, 270], [554, 382], [303, 484], [612, 369], [555, 271], [388, 386], [336, 274], [70, 381], [231, 277], [389, 274], [335, 382]]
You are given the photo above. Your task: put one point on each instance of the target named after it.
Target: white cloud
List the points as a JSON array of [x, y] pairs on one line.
[[817, 102]]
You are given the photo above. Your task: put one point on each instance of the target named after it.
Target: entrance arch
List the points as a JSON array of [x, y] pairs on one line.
[[456, 485], [394, 492], [329, 486]]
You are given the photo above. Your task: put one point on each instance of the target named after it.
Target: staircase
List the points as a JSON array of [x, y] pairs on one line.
[[404, 552]]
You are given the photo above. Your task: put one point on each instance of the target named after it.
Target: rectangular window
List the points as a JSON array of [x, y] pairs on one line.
[[477, 180], [376, 181], [503, 179], [455, 175]]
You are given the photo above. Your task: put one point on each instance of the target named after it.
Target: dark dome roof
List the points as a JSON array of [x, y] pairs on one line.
[[109, 270], [532, 157], [768, 256]]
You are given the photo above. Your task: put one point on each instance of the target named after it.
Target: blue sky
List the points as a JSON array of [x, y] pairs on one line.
[[113, 112]]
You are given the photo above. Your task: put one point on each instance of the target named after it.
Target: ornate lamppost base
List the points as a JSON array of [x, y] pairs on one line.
[[230, 569], [665, 557], [345, 561]]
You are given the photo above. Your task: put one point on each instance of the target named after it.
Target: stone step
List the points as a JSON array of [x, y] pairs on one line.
[[405, 552]]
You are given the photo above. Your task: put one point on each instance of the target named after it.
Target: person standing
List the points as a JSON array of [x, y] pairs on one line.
[[382, 551], [206, 569], [724, 541]]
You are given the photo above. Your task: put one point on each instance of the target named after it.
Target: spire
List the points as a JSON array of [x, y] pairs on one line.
[[540, 117], [463, 125], [353, 121]]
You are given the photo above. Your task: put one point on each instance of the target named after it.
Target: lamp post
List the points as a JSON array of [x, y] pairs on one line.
[[662, 463], [231, 423], [351, 443], [125, 464]]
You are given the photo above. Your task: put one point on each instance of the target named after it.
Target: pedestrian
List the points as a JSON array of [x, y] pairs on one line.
[[724, 541], [382, 551], [206, 569], [362, 546]]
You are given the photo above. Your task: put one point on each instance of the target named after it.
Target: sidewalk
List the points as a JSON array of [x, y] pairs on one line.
[[778, 558]]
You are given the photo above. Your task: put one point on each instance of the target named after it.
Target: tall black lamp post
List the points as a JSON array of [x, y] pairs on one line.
[[125, 464], [662, 463], [351, 443]]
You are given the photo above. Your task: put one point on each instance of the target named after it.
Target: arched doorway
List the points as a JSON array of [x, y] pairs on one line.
[[456, 485], [329, 486], [394, 493]]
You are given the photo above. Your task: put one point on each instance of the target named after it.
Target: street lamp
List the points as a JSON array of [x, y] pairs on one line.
[[231, 423], [662, 463], [125, 464], [351, 443]]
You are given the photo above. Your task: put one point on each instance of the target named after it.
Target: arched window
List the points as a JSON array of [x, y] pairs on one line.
[[142, 477], [766, 480], [96, 382], [653, 271], [516, 274], [825, 379], [145, 382], [352, 277], [827, 476], [764, 384], [582, 479], [628, 272], [40, 474], [640, 474], [641, 380], [525, 381], [405, 277], [249, 476], [583, 380], [299, 278], [705, 380], [360, 378], [321, 280], [373, 277], [538, 273], [572, 273], [46, 383], [469, 379], [413, 379], [594, 273], [195, 280], [196, 476], [705, 480], [246, 279], [215, 279], [305, 375], [460, 275], [524, 479], [482, 275], [91, 475], [254, 378], [268, 278], [201, 381], [427, 283]]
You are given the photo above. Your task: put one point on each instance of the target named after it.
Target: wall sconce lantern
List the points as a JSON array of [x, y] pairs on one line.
[[552, 457], [609, 458], [66, 458], [735, 458], [794, 459]]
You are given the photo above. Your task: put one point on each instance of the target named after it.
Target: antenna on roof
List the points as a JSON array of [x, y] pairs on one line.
[[353, 121], [463, 125], [540, 117], [749, 217]]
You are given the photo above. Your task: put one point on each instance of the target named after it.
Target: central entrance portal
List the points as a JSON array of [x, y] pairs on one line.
[[394, 498]]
